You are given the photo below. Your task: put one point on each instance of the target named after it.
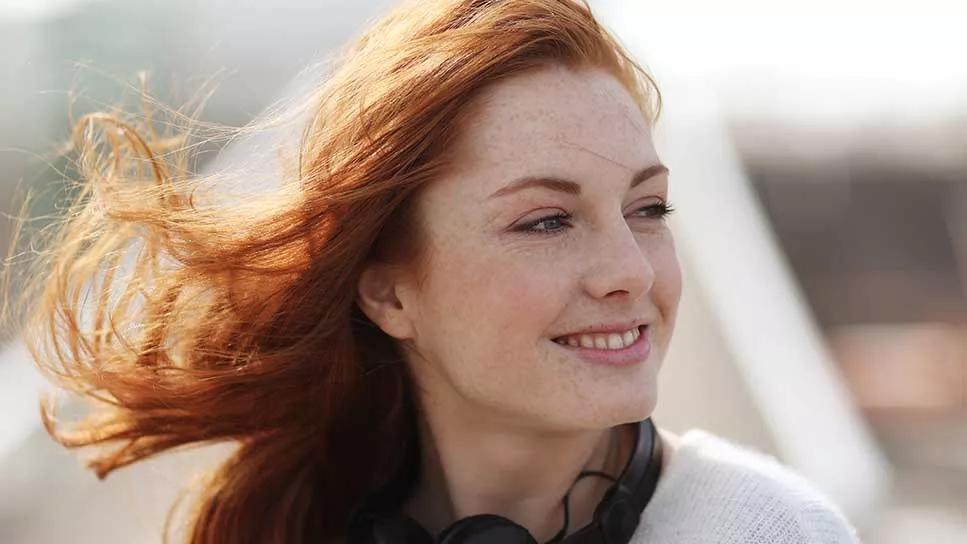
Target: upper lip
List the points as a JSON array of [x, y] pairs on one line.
[[618, 327]]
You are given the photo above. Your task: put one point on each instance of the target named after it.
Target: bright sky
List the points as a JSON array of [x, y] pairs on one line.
[[35, 9], [821, 58]]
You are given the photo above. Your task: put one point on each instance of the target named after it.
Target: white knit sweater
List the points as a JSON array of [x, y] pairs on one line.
[[714, 491]]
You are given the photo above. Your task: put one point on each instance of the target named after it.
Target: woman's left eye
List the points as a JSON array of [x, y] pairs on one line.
[[659, 210]]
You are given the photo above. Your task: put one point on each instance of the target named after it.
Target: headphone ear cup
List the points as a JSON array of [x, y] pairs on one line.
[[616, 515], [400, 529], [485, 529], [371, 528]]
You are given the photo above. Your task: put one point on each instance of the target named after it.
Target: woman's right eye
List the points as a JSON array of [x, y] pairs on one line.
[[549, 222]]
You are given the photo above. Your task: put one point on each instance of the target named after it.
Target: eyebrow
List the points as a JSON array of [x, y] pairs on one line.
[[570, 187]]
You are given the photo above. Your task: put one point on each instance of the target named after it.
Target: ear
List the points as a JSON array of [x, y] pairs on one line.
[[377, 297]]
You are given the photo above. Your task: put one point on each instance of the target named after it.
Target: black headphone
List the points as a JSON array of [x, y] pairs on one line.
[[615, 518]]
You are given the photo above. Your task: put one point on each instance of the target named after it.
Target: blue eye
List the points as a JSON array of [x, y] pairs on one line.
[[556, 219]]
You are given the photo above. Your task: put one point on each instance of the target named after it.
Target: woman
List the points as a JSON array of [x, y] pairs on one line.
[[447, 323]]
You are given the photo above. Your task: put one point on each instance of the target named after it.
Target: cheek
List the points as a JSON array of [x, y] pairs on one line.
[[490, 301], [667, 289], [505, 297], [668, 273]]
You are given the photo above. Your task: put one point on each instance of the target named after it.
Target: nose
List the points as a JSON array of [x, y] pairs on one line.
[[617, 264]]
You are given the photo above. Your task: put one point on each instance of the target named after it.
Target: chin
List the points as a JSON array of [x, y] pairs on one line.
[[638, 407], [617, 413]]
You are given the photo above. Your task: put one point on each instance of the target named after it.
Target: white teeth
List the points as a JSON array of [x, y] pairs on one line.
[[602, 341]]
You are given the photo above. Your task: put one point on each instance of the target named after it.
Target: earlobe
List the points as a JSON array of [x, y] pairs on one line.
[[376, 297]]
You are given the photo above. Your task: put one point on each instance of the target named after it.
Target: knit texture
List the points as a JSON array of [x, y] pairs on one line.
[[714, 491]]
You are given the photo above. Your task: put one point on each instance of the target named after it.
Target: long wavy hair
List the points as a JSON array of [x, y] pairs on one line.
[[186, 321]]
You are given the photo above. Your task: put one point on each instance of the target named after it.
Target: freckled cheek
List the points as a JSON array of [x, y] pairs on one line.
[[519, 301]]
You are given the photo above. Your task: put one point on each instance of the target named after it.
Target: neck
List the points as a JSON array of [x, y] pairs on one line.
[[471, 468]]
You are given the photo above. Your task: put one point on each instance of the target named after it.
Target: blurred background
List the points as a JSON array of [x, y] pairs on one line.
[[818, 153]]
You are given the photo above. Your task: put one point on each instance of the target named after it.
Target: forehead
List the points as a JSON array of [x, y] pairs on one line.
[[554, 121]]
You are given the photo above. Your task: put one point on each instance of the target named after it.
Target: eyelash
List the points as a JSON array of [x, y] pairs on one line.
[[663, 208]]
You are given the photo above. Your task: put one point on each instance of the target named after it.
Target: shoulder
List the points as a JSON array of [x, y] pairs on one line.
[[715, 490]]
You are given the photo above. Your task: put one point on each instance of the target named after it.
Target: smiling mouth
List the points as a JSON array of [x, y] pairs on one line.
[[602, 341]]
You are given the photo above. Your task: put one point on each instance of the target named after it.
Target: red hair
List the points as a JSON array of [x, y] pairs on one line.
[[192, 323]]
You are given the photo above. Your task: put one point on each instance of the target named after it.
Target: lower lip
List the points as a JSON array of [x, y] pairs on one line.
[[629, 355]]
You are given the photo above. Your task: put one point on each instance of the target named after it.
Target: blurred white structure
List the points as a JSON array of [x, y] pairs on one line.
[[742, 294]]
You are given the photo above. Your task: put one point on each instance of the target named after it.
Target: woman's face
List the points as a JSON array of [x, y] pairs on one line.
[[504, 278]]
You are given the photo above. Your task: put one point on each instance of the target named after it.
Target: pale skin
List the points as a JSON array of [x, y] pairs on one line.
[[508, 417]]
